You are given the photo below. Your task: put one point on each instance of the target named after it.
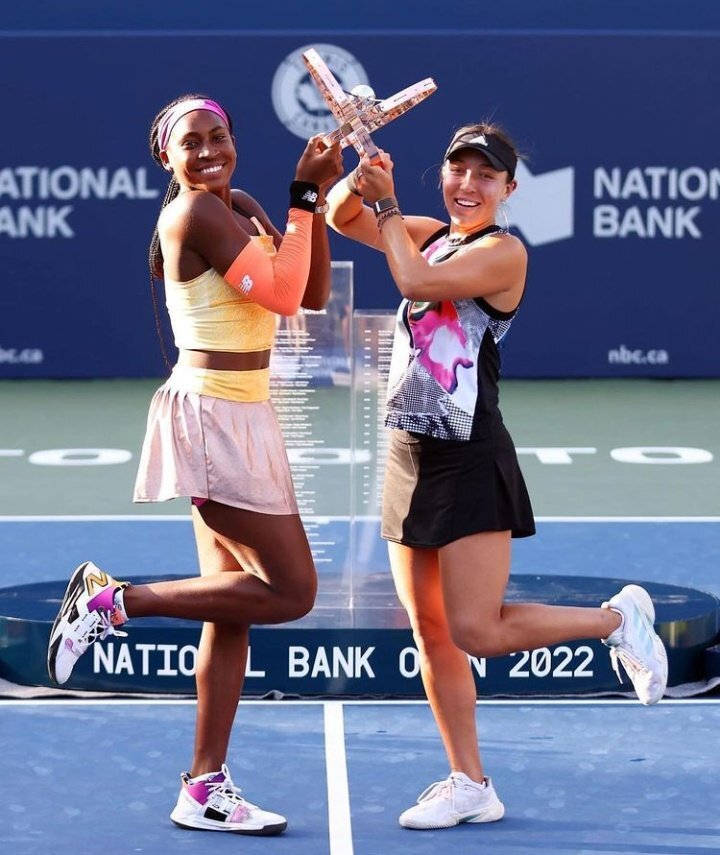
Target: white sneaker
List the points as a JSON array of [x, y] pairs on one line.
[[636, 645], [452, 801], [212, 802], [87, 614]]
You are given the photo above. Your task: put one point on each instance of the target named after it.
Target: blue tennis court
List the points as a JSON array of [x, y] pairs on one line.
[[580, 777], [576, 777]]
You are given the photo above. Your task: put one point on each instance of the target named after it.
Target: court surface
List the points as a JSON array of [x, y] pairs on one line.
[[576, 777]]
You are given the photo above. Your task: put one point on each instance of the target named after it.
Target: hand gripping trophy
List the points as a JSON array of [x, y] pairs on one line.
[[359, 112]]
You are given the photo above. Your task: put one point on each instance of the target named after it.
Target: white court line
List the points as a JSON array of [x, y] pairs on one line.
[[186, 518], [339, 824]]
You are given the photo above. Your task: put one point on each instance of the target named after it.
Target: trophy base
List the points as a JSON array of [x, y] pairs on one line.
[[358, 643]]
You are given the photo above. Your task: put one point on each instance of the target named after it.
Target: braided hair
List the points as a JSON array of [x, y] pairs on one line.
[[155, 256]]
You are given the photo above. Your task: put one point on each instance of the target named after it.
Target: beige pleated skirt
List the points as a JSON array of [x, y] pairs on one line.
[[211, 448]]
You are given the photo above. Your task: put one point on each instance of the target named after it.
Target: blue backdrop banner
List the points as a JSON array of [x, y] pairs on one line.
[[617, 198]]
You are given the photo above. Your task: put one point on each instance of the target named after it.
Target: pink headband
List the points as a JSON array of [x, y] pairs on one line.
[[174, 114]]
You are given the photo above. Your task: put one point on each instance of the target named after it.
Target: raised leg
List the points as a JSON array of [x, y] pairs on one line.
[[474, 572], [277, 583]]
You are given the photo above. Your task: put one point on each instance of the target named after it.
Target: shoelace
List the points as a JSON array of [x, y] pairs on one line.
[[227, 789], [439, 788], [632, 665], [95, 626]]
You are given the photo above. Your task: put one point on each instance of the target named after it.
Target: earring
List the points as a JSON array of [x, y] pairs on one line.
[[503, 211]]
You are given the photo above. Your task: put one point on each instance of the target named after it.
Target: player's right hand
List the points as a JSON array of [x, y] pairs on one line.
[[319, 165]]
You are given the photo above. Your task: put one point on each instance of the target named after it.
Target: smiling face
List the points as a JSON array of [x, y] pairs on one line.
[[473, 190], [201, 152]]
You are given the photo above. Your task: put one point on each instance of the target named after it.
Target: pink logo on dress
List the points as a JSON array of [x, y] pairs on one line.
[[440, 341]]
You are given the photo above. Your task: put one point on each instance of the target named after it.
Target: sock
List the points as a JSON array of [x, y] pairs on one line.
[[119, 614], [209, 776], [616, 634]]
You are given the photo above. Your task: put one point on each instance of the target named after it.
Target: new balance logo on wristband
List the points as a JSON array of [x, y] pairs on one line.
[[310, 196], [246, 284]]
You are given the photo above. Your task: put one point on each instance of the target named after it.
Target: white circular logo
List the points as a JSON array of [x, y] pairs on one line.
[[297, 100]]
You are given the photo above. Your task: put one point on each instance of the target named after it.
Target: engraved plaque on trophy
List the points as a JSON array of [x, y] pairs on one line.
[[311, 386], [373, 595]]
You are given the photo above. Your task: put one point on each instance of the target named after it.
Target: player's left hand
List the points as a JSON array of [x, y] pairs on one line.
[[375, 182]]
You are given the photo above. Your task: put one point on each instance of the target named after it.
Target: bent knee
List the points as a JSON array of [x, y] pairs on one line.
[[480, 641], [298, 600], [297, 607]]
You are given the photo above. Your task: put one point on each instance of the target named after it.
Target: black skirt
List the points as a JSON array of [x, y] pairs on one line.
[[439, 490]]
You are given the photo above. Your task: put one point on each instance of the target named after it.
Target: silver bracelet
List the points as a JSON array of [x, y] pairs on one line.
[[387, 215], [322, 209]]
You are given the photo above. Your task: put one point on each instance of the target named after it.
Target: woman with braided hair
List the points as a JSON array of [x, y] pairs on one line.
[[212, 435]]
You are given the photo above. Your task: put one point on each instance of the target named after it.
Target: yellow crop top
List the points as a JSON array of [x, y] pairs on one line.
[[208, 314]]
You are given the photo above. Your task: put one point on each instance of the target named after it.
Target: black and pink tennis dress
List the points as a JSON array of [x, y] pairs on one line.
[[452, 469]]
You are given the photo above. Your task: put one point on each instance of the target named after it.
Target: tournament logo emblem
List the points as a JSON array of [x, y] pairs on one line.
[[297, 101]]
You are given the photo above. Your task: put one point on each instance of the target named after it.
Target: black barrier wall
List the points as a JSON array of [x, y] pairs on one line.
[[617, 199]]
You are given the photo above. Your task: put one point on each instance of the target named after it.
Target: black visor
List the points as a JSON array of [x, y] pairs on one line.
[[499, 153]]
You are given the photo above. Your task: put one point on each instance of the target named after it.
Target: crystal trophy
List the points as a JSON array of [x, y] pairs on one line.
[[359, 112]]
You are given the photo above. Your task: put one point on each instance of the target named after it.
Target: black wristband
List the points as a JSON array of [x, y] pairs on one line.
[[304, 195]]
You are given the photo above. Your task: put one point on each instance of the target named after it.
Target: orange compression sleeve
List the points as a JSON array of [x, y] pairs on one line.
[[278, 283]]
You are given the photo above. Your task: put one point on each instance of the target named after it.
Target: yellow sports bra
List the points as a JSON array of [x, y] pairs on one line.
[[208, 314]]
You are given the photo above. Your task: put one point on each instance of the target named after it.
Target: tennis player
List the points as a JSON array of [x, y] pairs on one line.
[[454, 495], [212, 435]]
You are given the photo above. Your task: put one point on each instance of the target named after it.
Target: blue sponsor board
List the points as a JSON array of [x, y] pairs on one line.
[[617, 200], [342, 652], [323, 662]]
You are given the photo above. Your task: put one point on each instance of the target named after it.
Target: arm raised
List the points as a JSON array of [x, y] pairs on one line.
[[349, 216], [205, 225], [495, 266]]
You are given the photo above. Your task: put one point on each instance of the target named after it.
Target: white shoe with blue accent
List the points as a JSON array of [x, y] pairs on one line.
[[636, 646], [452, 801]]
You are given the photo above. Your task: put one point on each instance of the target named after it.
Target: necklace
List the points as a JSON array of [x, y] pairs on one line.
[[458, 239]]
